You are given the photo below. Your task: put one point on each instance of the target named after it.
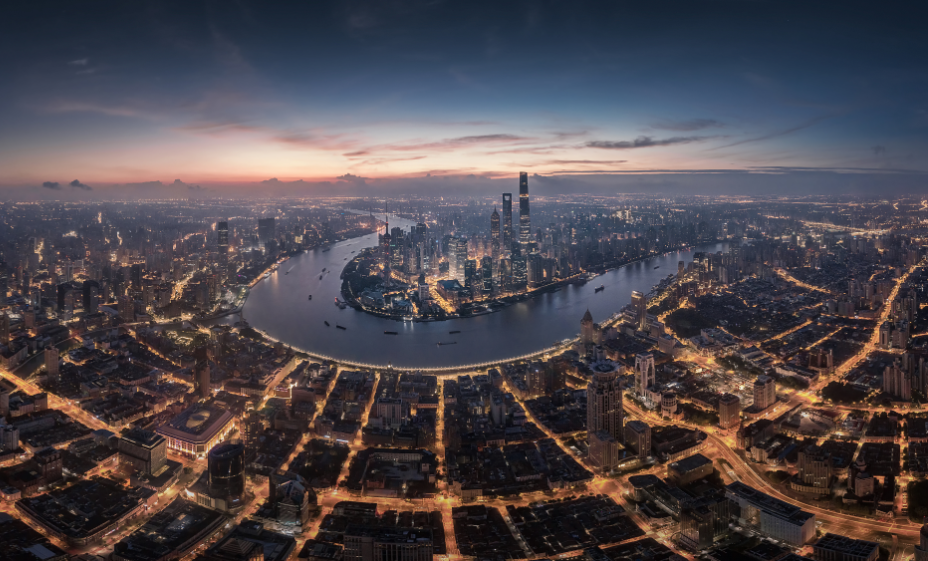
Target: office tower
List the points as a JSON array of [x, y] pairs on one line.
[[729, 411], [90, 293], [518, 265], [815, 469], [266, 230], [136, 276], [640, 309], [51, 364], [603, 450], [201, 373], [505, 274], [4, 284], [226, 467], [222, 236], [5, 329], [126, 309], [604, 410], [460, 257], [471, 280], [638, 437], [494, 235], [681, 269], [586, 330], [486, 270], [644, 372], [525, 222], [765, 392], [507, 223], [145, 451]]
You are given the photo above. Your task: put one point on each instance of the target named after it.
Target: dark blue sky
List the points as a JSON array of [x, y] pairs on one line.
[[228, 93]]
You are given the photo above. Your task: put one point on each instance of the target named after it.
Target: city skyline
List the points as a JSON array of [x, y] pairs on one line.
[[410, 97]]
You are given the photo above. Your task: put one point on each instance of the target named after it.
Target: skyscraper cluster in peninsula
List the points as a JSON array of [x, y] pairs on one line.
[[504, 262]]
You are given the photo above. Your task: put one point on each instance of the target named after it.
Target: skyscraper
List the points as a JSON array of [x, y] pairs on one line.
[[765, 392], [640, 309], [222, 234], [494, 235], [507, 223], [226, 467], [644, 372], [51, 364], [201, 374], [266, 230], [525, 222], [604, 404]]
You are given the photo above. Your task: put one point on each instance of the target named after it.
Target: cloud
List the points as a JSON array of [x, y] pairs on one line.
[[51, 185], [645, 142], [458, 143], [776, 134], [688, 125], [79, 62], [78, 185], [351, 178]]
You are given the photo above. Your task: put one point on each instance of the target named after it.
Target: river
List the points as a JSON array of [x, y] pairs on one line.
[[279, 306]]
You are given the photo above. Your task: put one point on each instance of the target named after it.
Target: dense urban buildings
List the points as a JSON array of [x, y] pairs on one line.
[[150, 407]]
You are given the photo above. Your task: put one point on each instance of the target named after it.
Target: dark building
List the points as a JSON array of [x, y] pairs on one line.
[[227, 472], [201, 374], [266, 230], [222, 233]]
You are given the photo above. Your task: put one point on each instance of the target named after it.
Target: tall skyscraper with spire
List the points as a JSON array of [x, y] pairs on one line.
[[494, 235], [507, 223], [525, 222]]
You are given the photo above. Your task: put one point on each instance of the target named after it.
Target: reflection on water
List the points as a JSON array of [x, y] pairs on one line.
[[280, 307]]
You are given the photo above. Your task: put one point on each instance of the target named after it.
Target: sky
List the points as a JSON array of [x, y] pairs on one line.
[[352, 97]]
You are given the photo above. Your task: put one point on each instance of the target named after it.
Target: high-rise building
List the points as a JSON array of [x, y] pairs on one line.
[[604, 411], [201, 373], [525, 222], [4, 329], [897, 381], [604, 450], [471, 278], [126, 308], [486, 273], [90, 292], [460, 259], [765, 392], [815, 469], [645, 376], [495, 241], [729, 411], [586, 330], [771, 516], [518, 265], [507, 223], [266, 230], [640, 309], [638, 437], [51, 364], [226, 468], [222, 235], [145, 451]]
